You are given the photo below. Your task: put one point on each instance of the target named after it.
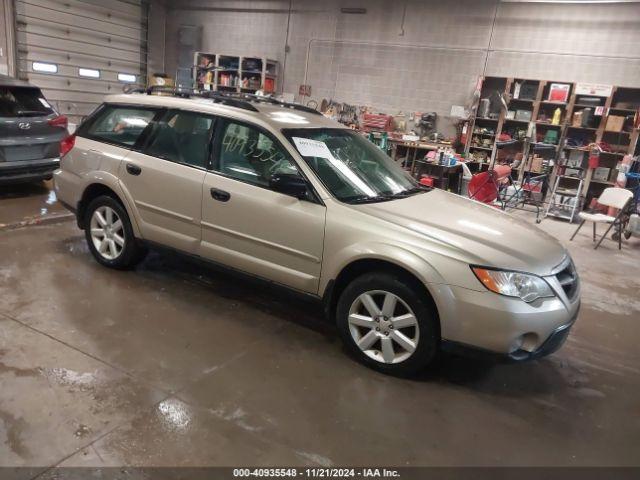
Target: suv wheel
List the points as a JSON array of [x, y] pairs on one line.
[[387, 324], [109, 234]]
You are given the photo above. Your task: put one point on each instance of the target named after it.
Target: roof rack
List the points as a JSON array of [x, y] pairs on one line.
[[193, 93], [231, 99], [224, 100], [266, 99]]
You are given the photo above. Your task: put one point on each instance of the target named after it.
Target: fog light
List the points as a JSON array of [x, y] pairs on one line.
[[529, 342]]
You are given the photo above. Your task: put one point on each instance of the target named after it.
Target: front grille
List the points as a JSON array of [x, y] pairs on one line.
[[568, 279]]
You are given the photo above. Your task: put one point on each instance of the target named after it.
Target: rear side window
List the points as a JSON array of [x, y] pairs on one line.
[[23, 102], [119, 125], [182, 137]]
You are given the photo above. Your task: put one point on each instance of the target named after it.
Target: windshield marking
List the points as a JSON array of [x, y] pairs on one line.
[[353, 169], [315, 148]]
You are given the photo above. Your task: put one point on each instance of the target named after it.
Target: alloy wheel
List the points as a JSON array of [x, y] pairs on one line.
[[107, 232], [383, 326]]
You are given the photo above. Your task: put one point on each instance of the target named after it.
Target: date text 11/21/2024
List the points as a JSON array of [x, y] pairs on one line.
[[316, 472]]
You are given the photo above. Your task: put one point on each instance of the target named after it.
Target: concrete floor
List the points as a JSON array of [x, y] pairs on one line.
[[177, 363]]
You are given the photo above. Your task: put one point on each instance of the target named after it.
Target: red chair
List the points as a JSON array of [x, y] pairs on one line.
[[484, 186]]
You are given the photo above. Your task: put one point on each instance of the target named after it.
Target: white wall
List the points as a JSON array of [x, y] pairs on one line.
[[590, 43], [430, 62]]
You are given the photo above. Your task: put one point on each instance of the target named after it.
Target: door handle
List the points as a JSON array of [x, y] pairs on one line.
[[133, 169], [220, 195]]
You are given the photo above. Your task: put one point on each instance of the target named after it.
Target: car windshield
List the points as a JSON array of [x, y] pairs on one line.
[[351, 167], [23, 102]]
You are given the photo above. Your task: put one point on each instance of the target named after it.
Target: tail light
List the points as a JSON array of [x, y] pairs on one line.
[[66, 144], [60, 121]]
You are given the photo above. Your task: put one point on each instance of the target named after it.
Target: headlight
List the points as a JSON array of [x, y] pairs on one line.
[[514, 284]]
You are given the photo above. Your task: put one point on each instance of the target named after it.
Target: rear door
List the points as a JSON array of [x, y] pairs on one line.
[[164, 178], [27, 128], [247, 225]]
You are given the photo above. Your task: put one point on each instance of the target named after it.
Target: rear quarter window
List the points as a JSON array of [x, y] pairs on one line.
[[120, 125]]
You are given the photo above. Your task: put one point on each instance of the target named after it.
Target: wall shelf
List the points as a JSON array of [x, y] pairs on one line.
[[481, 148], [623, 141], [246, 74]]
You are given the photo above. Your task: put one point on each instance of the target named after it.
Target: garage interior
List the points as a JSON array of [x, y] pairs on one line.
[[180, 363]]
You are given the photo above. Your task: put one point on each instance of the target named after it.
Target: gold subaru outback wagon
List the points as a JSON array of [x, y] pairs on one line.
[[280, 192]]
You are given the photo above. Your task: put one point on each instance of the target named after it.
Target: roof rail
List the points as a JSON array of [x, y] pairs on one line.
[[266, 99], [193, 93], [224, 100], [231, 99]]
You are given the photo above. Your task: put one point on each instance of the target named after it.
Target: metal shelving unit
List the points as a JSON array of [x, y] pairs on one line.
[[241, 74], [571, 134]]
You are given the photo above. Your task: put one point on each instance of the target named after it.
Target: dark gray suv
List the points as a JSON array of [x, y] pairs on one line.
[[30, 133]]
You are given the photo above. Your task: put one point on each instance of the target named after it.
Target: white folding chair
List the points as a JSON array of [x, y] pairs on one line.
[[611, 197]]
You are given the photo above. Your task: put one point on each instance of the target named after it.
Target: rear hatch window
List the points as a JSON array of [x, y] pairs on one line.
[[23, 102]]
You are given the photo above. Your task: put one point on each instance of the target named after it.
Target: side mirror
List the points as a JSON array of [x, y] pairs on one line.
[[289, 184]]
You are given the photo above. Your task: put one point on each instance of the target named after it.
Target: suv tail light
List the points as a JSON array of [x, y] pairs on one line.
[[66, 144], [60, 121]]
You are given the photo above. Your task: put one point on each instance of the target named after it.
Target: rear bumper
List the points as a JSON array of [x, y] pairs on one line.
[[68, 188], [27, 170]]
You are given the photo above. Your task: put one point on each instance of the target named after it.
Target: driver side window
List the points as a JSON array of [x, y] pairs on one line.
[[249, 155]]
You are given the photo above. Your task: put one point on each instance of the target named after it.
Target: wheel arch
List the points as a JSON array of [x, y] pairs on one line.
[[97, 188], [361, 266]]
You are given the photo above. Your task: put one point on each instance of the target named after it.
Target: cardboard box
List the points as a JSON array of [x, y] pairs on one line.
[[614, 123], [601, 174], [576, 157], [161, 80], [536, 164], [559, 92], [576, 120]]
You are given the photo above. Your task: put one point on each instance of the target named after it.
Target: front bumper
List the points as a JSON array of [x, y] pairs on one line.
[[27, 170], [549, 346], [483, 323]]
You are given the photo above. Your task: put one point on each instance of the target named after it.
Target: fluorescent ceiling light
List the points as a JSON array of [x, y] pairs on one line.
[[44, 67], [126, 77], [89, 72]]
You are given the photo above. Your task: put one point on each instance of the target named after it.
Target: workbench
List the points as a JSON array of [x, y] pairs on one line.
[[447, 177], [412, 150]]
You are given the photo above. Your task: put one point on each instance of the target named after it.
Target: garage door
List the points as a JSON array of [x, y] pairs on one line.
[[77, 51]]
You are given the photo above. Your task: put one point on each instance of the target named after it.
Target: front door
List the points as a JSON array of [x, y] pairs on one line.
[[247, 225]]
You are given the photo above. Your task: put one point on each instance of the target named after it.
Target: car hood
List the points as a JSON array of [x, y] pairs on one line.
[[472, 232]]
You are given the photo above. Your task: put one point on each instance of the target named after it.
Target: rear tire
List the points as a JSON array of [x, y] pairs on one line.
[[387, 323], [109, 234]]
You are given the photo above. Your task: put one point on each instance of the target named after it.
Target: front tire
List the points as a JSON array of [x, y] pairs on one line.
[[109, 234], [387, 322]]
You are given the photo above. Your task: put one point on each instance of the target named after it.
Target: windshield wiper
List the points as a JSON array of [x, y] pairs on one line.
[[367, 199], [411, 191], [385, 197]]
